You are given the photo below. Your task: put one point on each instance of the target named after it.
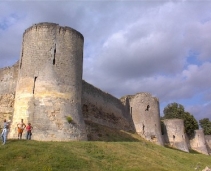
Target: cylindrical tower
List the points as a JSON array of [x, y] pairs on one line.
[[198, 142], [145, 113], [48, 92], [174, 134]]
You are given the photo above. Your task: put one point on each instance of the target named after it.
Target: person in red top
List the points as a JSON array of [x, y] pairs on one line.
[[29, 131]]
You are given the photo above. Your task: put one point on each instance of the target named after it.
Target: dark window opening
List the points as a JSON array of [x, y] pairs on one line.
[[35, 78], [21, 61], [54, 55], [85, 108], [143, 127], [174, 137], [147, 109]]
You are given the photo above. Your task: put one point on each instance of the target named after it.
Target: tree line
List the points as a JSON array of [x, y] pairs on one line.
[[177, 111]]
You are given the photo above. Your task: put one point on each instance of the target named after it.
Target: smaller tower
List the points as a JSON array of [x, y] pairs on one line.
[[198, 142], [174, 134], [145, 113]]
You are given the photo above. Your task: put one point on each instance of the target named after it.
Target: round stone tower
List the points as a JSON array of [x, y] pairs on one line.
[[145, 113], [174, 134], [197, 142], [48, 92]]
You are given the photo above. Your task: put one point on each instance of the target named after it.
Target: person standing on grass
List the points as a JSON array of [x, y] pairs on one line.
[[4, 132], [29, 131], [21, 126]]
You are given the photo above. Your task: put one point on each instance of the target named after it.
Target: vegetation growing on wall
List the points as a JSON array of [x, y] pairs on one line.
[[206, 125], [175, 110], [69, 119]]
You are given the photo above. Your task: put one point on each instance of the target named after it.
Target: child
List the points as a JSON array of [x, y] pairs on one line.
[[4, 132]]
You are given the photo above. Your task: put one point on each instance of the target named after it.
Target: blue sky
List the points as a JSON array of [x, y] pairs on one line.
[[160, 47]]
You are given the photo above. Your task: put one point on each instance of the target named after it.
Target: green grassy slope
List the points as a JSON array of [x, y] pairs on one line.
[[123, 155]]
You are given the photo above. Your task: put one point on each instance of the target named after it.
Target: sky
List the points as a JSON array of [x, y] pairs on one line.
[[160, 47]]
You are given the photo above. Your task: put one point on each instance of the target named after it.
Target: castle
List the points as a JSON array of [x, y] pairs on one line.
[[45, 87]]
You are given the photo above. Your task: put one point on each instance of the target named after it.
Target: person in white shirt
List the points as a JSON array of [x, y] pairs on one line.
[[4, 132]]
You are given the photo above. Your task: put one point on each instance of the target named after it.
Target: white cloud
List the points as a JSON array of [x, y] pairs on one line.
[[129, 47]]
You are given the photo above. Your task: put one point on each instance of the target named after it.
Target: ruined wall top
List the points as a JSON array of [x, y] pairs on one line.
[[48, 25], [138, 94]]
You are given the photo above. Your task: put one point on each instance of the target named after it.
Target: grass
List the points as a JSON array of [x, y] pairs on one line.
[[21, 155]]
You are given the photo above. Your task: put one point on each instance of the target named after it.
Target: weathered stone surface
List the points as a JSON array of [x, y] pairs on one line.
[[208, 143], [144, 110], [102, 108], [197, 142], [174, 134], [50, 83]]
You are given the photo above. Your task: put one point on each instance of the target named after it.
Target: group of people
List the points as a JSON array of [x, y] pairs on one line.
[[21, 126]]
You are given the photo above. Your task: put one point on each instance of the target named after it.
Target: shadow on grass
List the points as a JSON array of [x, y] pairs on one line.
[[98, 132], [190, 150]]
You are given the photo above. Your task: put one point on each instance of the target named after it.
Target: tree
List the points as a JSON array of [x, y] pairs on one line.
[[175, 110], [206, 125]]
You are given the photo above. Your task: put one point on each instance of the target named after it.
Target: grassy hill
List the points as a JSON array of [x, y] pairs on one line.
[[120, 151]]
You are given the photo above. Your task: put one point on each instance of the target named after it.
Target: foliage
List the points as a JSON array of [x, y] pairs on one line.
[[190, 123], [175, 110], [206, 125], [69, 119]]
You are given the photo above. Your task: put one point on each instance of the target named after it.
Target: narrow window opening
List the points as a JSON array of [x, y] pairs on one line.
[[54, 55], [35, 78], [21, 61], [147, 109], [143, 127], [173, 137]]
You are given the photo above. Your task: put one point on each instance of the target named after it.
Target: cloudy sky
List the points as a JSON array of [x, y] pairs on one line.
[[160, 47]]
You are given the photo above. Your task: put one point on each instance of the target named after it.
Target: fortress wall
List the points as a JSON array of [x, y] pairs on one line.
[[8, 80], [208, 143], [174, 133], [198, 142], [146, 116], [104, 109], [50, 82]]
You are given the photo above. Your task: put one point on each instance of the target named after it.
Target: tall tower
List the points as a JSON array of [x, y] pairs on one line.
[[145, 113], [48, 92]]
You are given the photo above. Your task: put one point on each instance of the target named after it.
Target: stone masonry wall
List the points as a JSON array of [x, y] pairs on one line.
[[104, 109], [197, 142], [208, 143], [8, 80]]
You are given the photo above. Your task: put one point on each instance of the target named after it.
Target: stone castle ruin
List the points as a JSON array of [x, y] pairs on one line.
[[45, 87]]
